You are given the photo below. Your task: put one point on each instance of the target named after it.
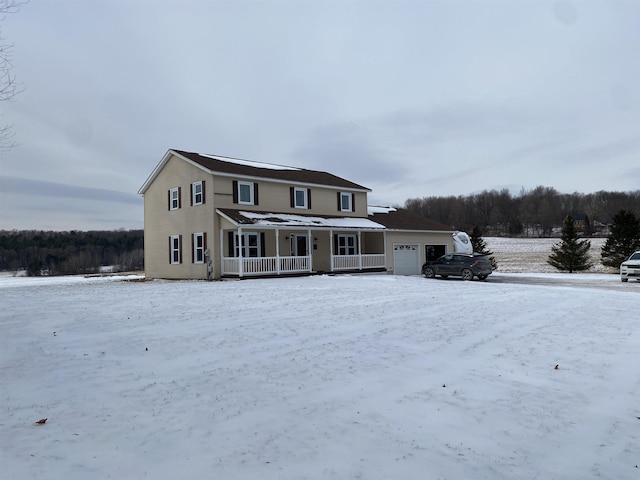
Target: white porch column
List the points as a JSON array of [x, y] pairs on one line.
[[384, 247], [240, 252], [331, 248], [277, 251], [221, 252], [309, 247], [359, 250]]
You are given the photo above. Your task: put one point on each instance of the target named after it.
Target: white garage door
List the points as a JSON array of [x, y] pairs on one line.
[[406, 259]]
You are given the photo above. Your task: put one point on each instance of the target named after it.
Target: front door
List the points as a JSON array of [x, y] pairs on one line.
[[299, 245]]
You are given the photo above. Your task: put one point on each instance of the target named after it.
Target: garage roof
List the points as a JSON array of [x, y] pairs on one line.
[[403, 219]]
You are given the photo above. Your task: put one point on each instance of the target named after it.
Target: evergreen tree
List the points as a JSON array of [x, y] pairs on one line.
[[478, 243], [623, 240], [571, 254], [479, 246]]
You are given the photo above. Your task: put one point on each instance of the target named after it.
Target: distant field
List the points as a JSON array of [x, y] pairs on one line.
[[516, 255]]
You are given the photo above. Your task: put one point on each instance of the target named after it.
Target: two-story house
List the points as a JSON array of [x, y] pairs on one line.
[[207, 216]]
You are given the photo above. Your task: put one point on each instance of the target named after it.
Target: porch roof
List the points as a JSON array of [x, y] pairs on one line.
[[288, 220]]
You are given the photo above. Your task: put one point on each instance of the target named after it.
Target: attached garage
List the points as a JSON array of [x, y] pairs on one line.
[[410, 239], [406, 259]]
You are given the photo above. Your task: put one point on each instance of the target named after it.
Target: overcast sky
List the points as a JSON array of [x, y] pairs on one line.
[[409, 98]]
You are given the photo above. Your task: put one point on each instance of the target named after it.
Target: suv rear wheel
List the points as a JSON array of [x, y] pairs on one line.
[[467, 274]]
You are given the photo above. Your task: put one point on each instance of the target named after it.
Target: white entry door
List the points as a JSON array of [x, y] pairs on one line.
[[406, 259]]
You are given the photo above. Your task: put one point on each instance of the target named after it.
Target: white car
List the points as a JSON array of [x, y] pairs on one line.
[[630, 268]]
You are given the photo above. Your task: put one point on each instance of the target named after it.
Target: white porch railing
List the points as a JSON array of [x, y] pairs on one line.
[[268, 265], [352, 262], [295, 264], [377, 260], [265, 265]]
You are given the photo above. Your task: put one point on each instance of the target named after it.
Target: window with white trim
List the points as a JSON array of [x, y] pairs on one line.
[[175, 246], [300, 198], [346, 204], [249, 244], [174, 198], [347, 244], [197, 193], [199, 244], [245, 193]]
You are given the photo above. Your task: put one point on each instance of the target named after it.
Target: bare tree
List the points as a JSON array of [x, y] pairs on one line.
[[9, 88]]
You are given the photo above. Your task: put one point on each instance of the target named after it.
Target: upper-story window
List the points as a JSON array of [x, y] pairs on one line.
[[245, 193], [174, 198], [197, 193], [346, 202], [300, 197]]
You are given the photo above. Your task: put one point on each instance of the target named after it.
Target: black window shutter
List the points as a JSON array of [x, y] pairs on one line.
[[191, 194], [235, 191], [203, 197], [255, 194], [353, 202], [262, 248], [335, 244], [291, 196], [204, 240], [179, 197], [169, 192], [309, 198], [232, 250], [180, 247], [193, 248], [170, 251], [339, 203]]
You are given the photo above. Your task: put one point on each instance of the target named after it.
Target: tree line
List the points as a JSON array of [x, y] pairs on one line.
[[539, 212], [73, 252]]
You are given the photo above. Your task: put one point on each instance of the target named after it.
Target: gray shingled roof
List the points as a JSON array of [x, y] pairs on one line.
[[402, 219], [217, 164]]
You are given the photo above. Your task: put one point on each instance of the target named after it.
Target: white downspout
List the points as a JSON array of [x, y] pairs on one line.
[[359, 250]]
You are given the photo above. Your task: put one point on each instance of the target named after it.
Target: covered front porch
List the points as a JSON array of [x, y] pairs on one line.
[[263, 249]]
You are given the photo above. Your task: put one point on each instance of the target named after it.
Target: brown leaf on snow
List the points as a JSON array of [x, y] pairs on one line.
[[556, 367], [42, 421]]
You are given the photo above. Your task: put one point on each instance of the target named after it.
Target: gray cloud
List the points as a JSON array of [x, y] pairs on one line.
[[407, 98], [39, 188]]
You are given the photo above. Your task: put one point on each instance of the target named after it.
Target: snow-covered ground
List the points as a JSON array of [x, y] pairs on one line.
[[325, 377], [531, 254]]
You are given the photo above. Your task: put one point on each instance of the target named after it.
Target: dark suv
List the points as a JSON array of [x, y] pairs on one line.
[[465, 265]]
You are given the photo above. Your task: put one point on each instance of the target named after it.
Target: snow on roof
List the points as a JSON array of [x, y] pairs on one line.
[[373, 209], [250, 163], [289, 220]]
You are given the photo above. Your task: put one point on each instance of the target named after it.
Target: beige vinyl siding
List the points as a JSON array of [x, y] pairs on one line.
[[416, 238], [276, 197], [161, 223]]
